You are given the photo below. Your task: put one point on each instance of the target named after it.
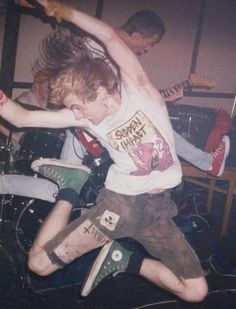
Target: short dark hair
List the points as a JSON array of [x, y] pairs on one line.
[[146, 22]]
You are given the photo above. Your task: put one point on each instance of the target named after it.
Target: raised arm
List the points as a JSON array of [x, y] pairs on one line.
[[130, 67]]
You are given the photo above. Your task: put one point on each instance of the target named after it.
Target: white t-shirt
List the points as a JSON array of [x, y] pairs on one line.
[[139, 139]]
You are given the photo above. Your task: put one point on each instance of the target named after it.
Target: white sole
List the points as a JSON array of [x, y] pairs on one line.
[[227, 148], [48, 161], [86, 288]]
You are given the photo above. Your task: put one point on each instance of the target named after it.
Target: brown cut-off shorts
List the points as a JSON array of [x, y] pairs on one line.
[[146, 218]]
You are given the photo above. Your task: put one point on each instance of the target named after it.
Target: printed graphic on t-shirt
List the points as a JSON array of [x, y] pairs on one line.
[[144, 144]]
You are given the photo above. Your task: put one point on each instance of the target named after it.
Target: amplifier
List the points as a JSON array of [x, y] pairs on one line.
[[192, 122]]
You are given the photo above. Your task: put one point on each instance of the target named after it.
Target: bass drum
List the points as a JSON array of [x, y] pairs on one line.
[[30, 214], [12, 278], [35, 144]]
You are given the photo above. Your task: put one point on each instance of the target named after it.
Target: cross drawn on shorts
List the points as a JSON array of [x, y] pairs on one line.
[[96, 233], [87, 229]]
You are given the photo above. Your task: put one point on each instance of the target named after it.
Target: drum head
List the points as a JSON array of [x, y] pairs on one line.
[[29, 218]]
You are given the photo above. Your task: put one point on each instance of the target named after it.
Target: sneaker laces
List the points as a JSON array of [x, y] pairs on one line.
[[218, 150], [49, 172]]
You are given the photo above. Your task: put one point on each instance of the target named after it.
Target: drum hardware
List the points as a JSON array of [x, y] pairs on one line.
[[29, 218], [7, 212], [8, 152], [16, 230], [189, 126], [5, 158], [26, 215], [9, 245], [37, 144]]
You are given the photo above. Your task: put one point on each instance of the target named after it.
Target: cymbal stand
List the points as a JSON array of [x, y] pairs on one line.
[[6, 239], [7, 157], [8, 153]]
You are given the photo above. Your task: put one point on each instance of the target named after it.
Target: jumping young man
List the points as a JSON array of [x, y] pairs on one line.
[[134, 127]]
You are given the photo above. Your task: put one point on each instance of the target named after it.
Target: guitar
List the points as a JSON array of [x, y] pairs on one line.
[[194, 81]]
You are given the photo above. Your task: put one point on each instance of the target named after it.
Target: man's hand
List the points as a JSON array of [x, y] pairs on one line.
[[52, 8], [173, 94], [56, 9], [24, 3]]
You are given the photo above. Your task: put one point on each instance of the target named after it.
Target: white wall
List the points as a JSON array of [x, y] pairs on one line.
[[170, 61]]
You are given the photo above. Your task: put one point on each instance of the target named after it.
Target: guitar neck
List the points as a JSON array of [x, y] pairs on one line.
[[184, 85]]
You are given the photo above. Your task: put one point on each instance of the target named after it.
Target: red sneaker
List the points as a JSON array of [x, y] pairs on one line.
[[219, 157]]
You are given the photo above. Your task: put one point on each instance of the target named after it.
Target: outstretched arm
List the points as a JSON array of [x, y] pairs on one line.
[[20, 117], [24, 3]]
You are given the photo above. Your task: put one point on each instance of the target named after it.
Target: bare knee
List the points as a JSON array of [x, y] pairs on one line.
[[40, 264], [195, 290]]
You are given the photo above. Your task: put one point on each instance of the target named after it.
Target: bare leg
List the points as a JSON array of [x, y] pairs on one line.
[[192, 290], [84, 238], [53, 224]]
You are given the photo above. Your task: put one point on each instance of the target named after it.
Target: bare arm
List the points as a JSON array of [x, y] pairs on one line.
[[20, 117], [131, 69], [24, 3]]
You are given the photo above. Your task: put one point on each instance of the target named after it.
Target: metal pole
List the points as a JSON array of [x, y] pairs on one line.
[[233, 107]]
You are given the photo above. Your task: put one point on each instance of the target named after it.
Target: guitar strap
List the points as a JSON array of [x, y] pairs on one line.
[[93, 146]]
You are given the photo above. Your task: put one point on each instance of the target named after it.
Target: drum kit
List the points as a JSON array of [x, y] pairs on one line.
[[23, 216]]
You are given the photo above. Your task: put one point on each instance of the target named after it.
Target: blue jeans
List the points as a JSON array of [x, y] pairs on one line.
[[192, 154]]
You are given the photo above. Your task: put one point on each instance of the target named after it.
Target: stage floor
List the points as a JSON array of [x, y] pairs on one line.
[[21, 290]]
